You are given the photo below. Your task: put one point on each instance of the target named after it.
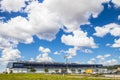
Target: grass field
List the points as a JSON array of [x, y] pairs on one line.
[[50, 77]]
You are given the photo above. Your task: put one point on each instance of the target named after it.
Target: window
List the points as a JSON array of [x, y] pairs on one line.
[[18, 65]]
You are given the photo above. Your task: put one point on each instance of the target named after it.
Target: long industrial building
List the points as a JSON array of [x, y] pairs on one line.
[[48, 67]]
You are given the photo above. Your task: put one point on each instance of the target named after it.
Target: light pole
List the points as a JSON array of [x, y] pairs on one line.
[[66, 58]]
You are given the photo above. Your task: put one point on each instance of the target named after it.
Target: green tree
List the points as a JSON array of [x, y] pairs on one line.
[[79, 70], [32, 70], [46, 70]]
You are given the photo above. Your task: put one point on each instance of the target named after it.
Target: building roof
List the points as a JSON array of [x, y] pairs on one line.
[[28, 64]]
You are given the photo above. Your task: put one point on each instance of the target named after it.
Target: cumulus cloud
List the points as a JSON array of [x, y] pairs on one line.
[[111, 62], [56, 53], [71, 52], [45, 20], [44, 57], [76, 12], [45, 23], [116, 44], [104, 62], [79, 39], [17, 28], [12, 5], [116, 2], [44, 50], [7, 43], [9, 54], [103, 57], [112, 28]]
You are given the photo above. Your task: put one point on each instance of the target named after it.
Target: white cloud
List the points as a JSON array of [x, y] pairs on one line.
[[108, 44], [17, 28], [117, 2], [86, 51], [100, 57], [12, 5], [45, 23], [71, 52], [91, 62], [44, 50], [31, 59], [2, 18], [101, 31], [56, 53], [112, 28], [78, 39], [9, 54], [93, 59], [44, 57], [119, 17], [116, 44], [45, 19], [76, 12], [7, 43], [103, 57], [107, 55], [110, 62]]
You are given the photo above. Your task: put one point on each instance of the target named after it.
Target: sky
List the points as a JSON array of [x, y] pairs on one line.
[[85, 31]]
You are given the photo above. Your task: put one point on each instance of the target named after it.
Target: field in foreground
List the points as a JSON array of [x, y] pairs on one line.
[[50, 77]]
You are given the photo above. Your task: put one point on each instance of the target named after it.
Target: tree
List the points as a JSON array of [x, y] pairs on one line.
[[79, 70], [32, 70], [46, 70]]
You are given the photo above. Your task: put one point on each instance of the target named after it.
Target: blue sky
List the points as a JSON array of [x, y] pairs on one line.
[[46, 31]]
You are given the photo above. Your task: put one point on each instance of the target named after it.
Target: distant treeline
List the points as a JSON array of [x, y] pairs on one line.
[[112, 67]]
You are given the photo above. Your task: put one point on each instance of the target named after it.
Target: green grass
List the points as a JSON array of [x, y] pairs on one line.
[[49, 77]]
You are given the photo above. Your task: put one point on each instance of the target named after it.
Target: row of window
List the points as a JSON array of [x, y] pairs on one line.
[[26, 65]]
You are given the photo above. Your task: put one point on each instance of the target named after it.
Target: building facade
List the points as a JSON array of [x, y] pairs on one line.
[[39, 67]]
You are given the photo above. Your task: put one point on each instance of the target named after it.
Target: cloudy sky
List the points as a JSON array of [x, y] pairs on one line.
[[86, 31]]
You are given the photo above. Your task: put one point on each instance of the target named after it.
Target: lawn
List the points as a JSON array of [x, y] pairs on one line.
[[49, 77]]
